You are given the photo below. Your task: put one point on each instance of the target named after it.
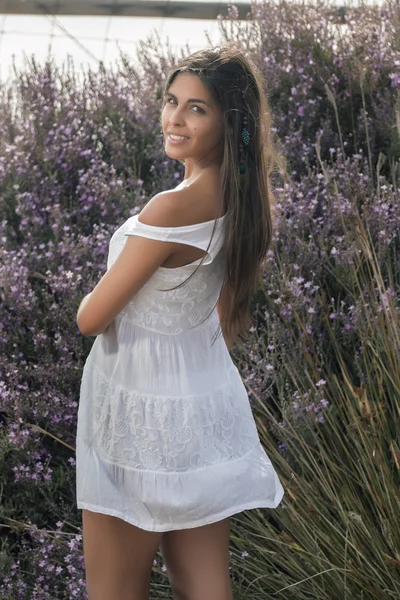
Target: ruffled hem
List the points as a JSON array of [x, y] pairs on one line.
[[160, 528], [165, 501]]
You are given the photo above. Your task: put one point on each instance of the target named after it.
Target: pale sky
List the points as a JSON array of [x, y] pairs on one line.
[[35, 34]]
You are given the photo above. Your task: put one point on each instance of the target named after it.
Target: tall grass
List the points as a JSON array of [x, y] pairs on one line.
[[337, 532]]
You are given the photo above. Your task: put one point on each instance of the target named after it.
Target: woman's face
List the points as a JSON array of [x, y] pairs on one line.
[[190, 111]]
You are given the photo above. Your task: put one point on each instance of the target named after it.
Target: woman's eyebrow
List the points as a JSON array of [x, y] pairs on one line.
[[190, 99]]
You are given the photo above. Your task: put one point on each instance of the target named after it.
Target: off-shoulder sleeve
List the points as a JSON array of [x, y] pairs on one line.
[[197, 235], [136, 227]]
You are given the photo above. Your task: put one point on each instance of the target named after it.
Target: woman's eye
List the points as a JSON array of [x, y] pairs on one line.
[[194, 105]]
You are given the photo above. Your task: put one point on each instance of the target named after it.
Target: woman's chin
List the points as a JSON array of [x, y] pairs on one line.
[[172, 153]]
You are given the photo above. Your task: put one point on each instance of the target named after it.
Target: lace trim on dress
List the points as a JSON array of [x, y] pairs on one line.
[[168, 433]]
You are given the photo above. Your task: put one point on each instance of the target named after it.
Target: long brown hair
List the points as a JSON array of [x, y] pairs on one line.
[[236, 85]]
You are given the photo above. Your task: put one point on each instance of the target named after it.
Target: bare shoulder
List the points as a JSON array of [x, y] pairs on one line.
[[163, 210], [186, 206]]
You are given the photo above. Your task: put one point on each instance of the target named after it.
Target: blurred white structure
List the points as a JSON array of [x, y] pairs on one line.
[[90, 39]]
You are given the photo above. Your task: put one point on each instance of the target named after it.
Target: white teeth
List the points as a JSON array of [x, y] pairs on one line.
[[177, 137]]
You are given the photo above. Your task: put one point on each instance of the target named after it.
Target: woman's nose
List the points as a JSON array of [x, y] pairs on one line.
[[176, 118]]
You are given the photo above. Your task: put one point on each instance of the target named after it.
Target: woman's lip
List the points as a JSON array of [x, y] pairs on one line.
[[176, 141], [170, 133]]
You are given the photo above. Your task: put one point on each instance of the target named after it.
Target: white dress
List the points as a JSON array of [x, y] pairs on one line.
[[166, 438]]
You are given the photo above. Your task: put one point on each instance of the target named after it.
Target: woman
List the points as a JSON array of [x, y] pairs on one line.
[[167, 447]]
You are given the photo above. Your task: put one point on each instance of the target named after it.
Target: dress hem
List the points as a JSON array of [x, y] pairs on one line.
[[191, 524]]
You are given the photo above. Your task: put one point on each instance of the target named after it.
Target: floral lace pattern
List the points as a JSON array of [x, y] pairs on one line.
[[169, 433], [177, 310]]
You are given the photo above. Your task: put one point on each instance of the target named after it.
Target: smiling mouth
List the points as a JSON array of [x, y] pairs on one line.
[[179, 138]]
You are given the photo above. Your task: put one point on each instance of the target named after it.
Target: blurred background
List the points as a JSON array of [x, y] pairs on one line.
[[91, 38]]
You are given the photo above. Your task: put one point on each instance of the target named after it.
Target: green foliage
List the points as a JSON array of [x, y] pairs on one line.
[[336, 534]]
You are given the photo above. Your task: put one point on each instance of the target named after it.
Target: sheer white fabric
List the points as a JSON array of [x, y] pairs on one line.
[[166, 438]]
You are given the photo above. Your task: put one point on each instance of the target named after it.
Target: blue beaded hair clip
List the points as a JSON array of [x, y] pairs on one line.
[[245, 138]]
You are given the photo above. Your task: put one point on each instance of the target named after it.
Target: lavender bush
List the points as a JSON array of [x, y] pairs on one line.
[[77, 158]]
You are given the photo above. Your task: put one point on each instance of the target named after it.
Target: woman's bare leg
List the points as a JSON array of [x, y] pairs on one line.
[[197, 562], [118, 557]]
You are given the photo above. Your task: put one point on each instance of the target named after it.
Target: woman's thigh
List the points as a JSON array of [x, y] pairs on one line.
[[118, 557], [197, 561]]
